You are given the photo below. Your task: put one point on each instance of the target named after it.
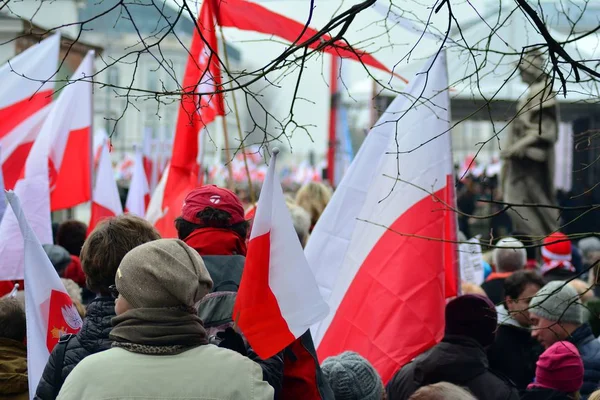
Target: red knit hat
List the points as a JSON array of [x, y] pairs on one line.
[[556, 253], [215, 197], [559, 368]]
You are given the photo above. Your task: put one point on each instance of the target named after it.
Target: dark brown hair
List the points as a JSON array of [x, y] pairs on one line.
[[71, 235], [12, 320], [106, 246]]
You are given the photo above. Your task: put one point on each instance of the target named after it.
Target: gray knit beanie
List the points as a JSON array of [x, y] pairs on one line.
[[163, 273], [352, 377], [557, 301]]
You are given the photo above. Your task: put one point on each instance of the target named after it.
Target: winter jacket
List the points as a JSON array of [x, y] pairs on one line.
[[91, 339], [225, 271], [203, 372], [544, 394], [514, 352], [589, 349], [457, 359], [13, 370]]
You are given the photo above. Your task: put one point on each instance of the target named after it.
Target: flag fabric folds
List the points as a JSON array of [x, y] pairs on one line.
[[49, 310], [382, 252], [41, 172], [138, 195], [25, 94], [278, 299], [106, 202]]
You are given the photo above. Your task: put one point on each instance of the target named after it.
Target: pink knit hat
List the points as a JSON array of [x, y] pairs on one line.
[[559, 368]]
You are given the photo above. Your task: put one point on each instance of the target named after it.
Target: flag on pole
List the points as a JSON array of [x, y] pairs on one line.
[[382, 252], [278, 299], [202, 75], [138, 196], [40, 173], [49, 310], [25, 94], [106, 202], [100, 138]]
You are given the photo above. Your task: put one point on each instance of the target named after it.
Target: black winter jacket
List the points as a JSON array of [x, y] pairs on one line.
[[457, 359], [514, 354], [589, 349], [544, 394], [92, 338]]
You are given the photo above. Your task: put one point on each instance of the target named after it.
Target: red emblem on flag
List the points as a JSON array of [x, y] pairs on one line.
[[63, 318]]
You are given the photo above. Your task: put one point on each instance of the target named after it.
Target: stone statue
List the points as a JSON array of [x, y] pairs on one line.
[[528, 170]]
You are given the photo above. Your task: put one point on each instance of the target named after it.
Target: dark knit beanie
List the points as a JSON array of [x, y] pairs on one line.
[[59, 257], [474, 316], [163, 273]]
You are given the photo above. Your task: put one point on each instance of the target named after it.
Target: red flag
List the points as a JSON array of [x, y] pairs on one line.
[[249, 16], [383, 250], [278, 299], [202, 74], [24, 100]]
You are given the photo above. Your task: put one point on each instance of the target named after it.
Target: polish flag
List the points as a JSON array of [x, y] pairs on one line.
[[49, 310], [2, 199], [147, 153], [382, 252], [138, 196], [25, 94], [106, 202], [278, 299], [40, 173], [202, 75], [100, 138], [71, 160]]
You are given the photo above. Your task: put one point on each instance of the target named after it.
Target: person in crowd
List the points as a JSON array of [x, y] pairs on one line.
[[301, 221], [101, 254], [71, 235], [13, 353], [59, 257], [159, 342], [460, 358], [557, 256], [212, 223], [590, 253], [514, 352], [595, 395], [471, 288], [556, 315], [509, 256], [442, 391], [352, 377], [313, 197], [559, 374]]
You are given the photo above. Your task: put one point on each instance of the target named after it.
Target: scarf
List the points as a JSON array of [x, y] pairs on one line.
[[158, 331], [216, 242]]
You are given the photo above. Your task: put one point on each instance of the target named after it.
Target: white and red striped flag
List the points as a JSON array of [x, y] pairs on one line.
[[49, 310], [40, 172], [202, 75], [106, 202], [138, 196], [25, 95], [278, 299], [381, 252]]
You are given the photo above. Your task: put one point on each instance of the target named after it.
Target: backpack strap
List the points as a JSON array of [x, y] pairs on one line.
[[61, 349]]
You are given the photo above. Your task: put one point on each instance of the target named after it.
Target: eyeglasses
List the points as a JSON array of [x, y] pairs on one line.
[[113, 291]]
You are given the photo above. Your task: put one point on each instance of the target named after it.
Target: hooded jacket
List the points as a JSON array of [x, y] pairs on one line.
[[91, 339], [514, 352], [457, 359], [13, 370]]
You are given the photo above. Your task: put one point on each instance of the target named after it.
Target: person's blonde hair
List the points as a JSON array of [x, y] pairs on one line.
[[595, 395], [313, 197], [442, 391], [471, 288]]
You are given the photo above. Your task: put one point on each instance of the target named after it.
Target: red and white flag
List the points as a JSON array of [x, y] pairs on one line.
[[106, 202], [202, 75], [25, 94], [138, 196], [278, 299], [100, 138], [148, 152], [379, 251], [49, 310], [40, 173]]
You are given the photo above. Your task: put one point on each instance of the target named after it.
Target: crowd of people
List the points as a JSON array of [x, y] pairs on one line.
[[158, 320]]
